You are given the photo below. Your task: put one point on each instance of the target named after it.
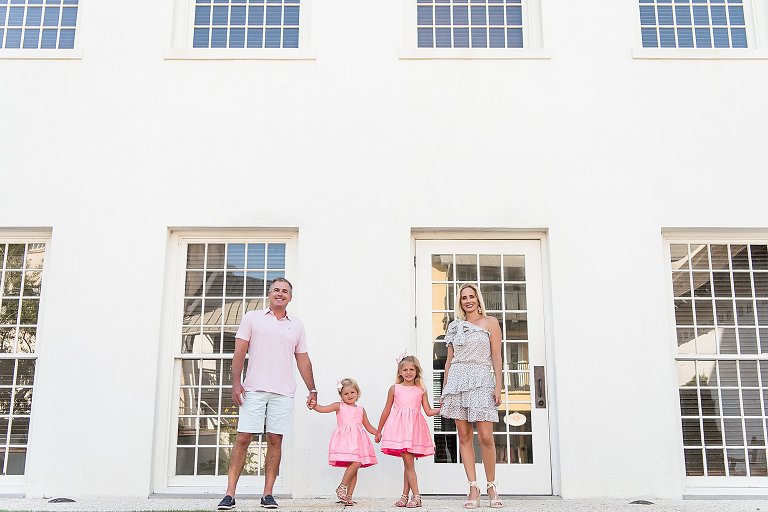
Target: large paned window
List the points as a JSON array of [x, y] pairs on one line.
[[21, 280], [721, 316], [222, 281], [470, 23], [38, 24], [246, 24], [502, 281], [693, 23]]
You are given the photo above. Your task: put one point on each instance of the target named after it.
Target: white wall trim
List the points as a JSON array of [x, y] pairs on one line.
[[35, 54], [478, 233], [699, 54], [238, 54], [715, 235], [475, 53]]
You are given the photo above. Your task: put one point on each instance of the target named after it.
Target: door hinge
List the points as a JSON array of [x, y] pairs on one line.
[[414, 321], [414, 262]]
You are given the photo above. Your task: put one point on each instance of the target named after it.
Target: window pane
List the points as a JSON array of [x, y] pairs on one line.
[[492, 26], [232, 24], [722, 403], [686, 24]]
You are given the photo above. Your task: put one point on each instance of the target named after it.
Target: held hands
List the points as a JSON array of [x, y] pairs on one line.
[[311, 399], [378, 437]]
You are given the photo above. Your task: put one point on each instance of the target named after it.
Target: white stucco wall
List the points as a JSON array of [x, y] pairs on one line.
[[354, 149]]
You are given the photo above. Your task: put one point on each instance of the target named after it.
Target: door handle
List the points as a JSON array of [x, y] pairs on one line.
[[541, 387]]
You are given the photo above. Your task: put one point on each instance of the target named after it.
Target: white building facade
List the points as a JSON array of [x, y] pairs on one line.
[[598, 168]]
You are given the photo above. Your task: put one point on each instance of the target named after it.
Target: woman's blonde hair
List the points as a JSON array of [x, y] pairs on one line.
[[419, 381], [458, 311], [344, 383]]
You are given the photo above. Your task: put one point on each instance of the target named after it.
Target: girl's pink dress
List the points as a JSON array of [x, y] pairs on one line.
[[350, 442], [406, 429]]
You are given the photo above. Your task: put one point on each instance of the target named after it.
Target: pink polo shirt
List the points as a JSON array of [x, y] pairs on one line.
[[272, 344]]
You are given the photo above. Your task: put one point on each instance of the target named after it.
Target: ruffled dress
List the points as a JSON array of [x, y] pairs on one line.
[[406, 429], [350, 442], [468, 394]]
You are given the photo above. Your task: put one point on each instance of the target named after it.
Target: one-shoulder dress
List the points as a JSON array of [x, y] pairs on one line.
[[406, 429], [468, 393], [350, 442]]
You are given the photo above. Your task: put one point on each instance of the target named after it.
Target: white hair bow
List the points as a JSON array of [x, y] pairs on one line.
[[338, 384], [401, 355]]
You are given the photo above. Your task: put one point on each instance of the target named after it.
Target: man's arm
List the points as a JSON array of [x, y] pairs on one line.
[[238, 361], [304, 364]]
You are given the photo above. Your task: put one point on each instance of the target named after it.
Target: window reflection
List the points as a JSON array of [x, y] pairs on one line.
[[222, 282], [722, 403]]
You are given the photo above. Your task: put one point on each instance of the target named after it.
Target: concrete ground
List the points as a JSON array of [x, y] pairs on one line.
[[432, 504]]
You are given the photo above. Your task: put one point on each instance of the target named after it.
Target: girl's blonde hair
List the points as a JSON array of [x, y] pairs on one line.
[[458, 311], [347, 383], [419, 381]]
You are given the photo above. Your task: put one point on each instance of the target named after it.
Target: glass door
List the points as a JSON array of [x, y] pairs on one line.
[[508, 274]]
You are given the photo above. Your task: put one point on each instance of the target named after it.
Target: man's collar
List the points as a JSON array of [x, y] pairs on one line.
[[270, 312]]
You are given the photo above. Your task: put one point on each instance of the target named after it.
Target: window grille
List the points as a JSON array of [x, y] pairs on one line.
[[246, 24], [38, 24], [693, 24], [721, 316], [222, 282], [469, 23], [21, 281]]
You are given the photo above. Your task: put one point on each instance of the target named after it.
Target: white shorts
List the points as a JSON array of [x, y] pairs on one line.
[[259, 406]]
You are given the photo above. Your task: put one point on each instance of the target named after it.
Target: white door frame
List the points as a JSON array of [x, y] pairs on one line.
[[547, 479]]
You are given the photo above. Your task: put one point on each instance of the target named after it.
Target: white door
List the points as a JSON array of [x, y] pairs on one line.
[[509, 275]]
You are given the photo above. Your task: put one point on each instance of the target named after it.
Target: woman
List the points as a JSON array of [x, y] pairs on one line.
[[471, 393]]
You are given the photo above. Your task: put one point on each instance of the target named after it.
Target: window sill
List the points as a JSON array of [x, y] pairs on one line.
[[475, 54], [699, 53], [33, 54], [240, 54]]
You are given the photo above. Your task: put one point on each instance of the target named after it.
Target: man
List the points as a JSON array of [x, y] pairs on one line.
[[272, 340]]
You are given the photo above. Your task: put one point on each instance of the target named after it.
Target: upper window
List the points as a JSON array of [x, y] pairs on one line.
[[470, 23], [38, 24], [693, 23], [246, 24]]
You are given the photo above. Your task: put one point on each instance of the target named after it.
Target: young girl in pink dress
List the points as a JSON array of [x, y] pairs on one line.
[[350, 446], [403, 430]]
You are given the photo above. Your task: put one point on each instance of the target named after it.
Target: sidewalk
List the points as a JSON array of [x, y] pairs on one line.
[[380, 505]]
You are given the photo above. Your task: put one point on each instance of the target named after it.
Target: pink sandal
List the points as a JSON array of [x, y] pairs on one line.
[[341, 493], [402, 501]]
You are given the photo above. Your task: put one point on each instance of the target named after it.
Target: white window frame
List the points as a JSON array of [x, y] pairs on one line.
[[15, 485], [183, 29], [533, 39], [756, 17], [164, 481], [75, 53], [705, 485]]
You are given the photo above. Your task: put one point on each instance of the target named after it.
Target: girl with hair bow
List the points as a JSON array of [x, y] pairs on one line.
[[403, 430], [350, 447]]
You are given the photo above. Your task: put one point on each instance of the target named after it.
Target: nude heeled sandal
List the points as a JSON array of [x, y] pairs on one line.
[[415, 501], [403, 501], [476, 502], [494, 502]]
